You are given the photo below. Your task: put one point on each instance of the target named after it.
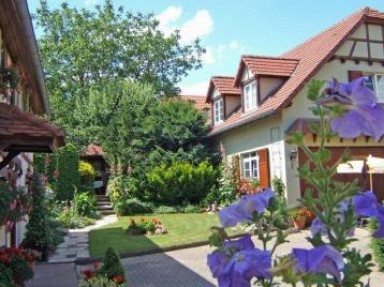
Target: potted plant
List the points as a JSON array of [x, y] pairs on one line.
[[301, 218]]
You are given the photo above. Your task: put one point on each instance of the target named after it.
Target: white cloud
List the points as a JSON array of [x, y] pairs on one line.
[[233, 45], [195, 89], [201, 24], [91, 2], [167, 17], [208, 57]]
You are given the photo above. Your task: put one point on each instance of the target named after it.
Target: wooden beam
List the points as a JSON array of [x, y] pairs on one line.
[[10, 156], [358, 59]]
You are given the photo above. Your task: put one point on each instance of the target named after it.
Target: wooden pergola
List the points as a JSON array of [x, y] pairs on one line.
[[25, 132]]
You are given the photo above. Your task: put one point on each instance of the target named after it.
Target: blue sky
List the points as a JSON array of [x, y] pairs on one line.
[[230, 28]]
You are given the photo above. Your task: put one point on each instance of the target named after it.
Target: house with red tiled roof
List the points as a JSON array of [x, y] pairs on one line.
[[199, 102], [22, 98], [254, 123]]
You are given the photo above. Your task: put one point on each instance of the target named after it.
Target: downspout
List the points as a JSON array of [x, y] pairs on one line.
[[25, 18]]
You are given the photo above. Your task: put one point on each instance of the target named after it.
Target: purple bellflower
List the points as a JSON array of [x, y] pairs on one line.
[[239, 263], [242, 210], [367, 204], [318, 226], [363, 113], [321, 259]]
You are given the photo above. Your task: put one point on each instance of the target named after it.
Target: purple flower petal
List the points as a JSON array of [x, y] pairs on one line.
[[244, 243], [242, 210], [321, 259], [363, 113], [367, 204], [318, 226], [216, 262]]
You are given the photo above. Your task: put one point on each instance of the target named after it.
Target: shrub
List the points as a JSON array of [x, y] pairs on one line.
[[142, 226], [192, 209], [376, 245], [87, 174], [112, 266], [85, 204], [69, 218], [132, 206], [163, 209], [278, 186], [15, 266], [110, 274], [117, 188], [67, 166], [42, 232], [180, 182]]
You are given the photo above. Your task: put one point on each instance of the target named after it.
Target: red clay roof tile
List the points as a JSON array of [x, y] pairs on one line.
[[93, 150], [198, 101], [224, 85]]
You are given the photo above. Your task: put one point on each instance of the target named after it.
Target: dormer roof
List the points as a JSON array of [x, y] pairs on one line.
[[224, 85], [265, 65]]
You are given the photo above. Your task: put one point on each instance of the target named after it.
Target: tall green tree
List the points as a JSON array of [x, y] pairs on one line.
[[175, 131], [80, 49]]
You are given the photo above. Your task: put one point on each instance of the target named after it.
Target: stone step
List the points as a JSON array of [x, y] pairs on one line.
[[107, 212], [103, 202], [102, 198], [104, 207]]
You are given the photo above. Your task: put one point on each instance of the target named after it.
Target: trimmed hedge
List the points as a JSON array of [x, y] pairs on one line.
[[180, 183], [376, 245]]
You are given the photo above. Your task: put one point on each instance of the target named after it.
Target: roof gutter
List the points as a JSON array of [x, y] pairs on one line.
[[242, 123], [25, 18]]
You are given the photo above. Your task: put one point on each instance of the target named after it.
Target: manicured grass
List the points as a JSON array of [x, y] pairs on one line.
[[182, 229]]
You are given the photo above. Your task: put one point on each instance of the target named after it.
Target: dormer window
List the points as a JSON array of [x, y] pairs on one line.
[[218, 111], [250, 96]]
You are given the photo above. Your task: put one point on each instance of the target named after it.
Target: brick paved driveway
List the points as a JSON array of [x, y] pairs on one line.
[[187, 267]]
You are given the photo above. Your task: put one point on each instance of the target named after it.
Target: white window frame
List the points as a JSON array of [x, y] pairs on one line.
[[250, 165], [374, 84], [218, 111], [250, 96]]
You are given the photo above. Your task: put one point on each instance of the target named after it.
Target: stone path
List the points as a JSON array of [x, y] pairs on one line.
[[75, 245]]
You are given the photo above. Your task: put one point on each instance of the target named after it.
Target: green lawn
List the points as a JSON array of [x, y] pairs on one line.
[[182, 229]]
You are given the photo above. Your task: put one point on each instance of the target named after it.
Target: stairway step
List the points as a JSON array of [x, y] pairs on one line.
[[104, 207], [107, 212], [103, 202]]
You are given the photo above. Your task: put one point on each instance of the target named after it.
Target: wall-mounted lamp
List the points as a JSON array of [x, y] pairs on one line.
[[293, 156]]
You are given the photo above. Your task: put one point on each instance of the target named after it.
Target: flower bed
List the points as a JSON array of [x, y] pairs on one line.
[[145, 226]]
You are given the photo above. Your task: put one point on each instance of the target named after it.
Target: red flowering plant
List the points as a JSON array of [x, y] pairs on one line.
[[109, 273], [248, 186], [14, 205], [143, 226], [18, 263]]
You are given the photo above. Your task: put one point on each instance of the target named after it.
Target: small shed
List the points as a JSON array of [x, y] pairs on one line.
[[94, 155]]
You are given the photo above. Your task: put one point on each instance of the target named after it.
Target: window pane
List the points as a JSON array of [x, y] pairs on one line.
[[380, 88], [369, 82]]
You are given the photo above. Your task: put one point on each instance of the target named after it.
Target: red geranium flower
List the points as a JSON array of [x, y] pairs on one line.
[[96, 265], [118, 279], [88, 273]]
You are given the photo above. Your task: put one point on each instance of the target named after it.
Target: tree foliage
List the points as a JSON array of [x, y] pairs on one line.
[[81, 49]]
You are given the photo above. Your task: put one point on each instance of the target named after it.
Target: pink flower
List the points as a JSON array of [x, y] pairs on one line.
[[12, 205]]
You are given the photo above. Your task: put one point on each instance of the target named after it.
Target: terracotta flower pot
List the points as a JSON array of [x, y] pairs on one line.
[[299, 222]]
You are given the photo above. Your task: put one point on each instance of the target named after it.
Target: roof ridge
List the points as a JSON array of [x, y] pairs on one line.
[[269, 57], [360, 13], [223, 77]]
